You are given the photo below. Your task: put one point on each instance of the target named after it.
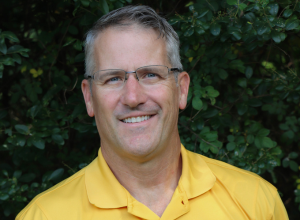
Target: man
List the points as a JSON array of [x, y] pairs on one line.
[[135, 87]]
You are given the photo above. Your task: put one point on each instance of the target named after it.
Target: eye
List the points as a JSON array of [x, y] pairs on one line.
[[114, 79], [151, 75]]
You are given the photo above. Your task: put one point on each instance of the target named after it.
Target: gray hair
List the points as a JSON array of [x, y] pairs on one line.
[[140, 15]]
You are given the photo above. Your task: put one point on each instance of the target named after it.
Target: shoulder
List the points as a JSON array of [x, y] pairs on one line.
[[257, 196], [54, 197], [238, 181]]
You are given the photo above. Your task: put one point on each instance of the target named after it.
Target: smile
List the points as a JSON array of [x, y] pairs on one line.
[[137, 119]]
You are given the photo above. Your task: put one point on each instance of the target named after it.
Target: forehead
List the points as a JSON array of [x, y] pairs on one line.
[[129, 47]]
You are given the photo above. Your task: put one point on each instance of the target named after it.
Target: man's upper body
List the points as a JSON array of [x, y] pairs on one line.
[[135, 88], [207, 189]]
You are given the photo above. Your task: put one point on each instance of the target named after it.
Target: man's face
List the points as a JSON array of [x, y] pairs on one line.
[[128, 50]]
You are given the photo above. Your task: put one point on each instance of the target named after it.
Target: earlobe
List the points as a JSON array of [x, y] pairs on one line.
[[184, 82], [85, 87]]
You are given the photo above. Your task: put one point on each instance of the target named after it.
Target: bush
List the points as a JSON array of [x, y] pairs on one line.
[[243, 103]]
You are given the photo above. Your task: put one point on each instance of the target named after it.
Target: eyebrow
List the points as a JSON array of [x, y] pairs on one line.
[[110, 72]]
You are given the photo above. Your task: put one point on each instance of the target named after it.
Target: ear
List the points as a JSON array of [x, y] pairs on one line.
[[183, 83], [85, 87]]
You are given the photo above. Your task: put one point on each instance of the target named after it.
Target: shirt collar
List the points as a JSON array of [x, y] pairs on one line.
[[105, 191], [196, 177]]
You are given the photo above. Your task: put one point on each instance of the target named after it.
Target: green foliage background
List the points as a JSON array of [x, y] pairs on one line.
[[243, 104]]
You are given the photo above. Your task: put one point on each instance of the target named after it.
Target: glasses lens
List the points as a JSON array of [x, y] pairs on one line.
[[150, 75], [110, 78]]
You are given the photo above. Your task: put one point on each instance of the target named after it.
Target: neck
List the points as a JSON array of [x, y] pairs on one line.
[[151, 182]]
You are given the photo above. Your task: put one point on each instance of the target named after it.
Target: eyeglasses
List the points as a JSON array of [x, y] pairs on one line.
[[146, 75]]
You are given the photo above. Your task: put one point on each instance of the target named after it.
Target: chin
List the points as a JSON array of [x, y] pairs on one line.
[[139, 148]]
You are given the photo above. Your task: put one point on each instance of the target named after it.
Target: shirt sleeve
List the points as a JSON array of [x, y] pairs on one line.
[[33, 212], [268, 203], [279, 209]]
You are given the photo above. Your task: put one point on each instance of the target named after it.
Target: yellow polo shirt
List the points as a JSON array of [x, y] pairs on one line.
[[207, 189]]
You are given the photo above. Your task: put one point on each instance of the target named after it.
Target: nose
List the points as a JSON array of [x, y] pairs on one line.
[[132, 93]]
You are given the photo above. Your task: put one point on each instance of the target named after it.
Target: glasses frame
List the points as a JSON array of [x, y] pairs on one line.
[[172, 69]]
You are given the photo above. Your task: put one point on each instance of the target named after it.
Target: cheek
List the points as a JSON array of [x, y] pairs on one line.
[[104, 104]]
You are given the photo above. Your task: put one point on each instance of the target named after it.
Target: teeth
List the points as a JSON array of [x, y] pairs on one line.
[[136, 119]]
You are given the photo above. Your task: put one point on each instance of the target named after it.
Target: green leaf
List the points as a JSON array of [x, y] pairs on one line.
[[17, 58], [214, 148], [263, 132], [242, 82], [250, 16], [104, 6], [287, 13], [17, 174], [242, 6], [204, 147], [10, 36], [56, 174], [211, 92], [3, 113], [202, 13], [237, 35], [3, 48], [294, 166], [79, 57], [242, 108], [284, 127], [262, 29], [27, 177], [20, 140], [274, 7], [191, 8], [39, 143], [258, 142], [85, 3], [289, 134], [16, 49], [230, 146], [58, 139], [250, 138], [215, 29], [267, 142], [279, 22], [248, 72], [254, 102], [276, 36], [5, 173], [230, 138], [211, 136], [197, 103], [22, 129], [276, 151], [4, 197], [199, 30], [69, 41], [78, 45], [34, 110], [293, 155], [189, 32], [231, 2], [223, 74], [291, 24], [285, 162]]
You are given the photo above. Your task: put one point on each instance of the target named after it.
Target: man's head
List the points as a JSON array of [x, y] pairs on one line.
[[126, 17], [152, 109]]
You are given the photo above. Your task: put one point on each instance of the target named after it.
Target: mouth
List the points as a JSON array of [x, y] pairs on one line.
[[137, 119]]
